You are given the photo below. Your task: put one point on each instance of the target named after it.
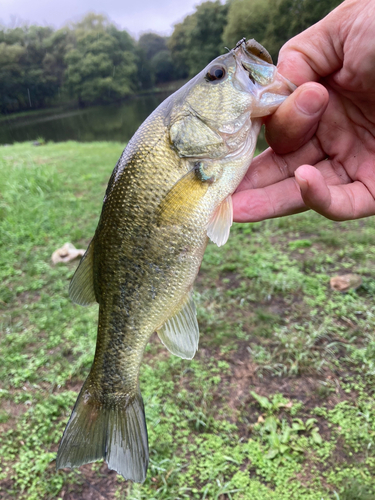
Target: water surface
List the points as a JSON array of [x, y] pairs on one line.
[[113, 122]]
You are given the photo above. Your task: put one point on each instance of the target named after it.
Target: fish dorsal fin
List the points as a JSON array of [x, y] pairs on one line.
[[81, 289], [219, 227], [180, 333]]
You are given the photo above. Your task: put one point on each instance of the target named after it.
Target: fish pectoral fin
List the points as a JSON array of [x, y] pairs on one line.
[[81, 288], [182, 199], [180, 333], [219, 227]]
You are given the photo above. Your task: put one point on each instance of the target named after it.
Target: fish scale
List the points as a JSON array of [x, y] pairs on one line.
[[169, 191]]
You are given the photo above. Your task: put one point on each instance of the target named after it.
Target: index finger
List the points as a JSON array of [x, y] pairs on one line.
[[316, 52], [270, 168]]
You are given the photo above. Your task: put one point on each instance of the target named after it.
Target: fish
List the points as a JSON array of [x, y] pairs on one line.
[[169, 193]]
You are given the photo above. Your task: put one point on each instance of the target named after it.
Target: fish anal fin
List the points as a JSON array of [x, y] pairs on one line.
[[219, 227], [115, 432], [81, 289], [180, 333]]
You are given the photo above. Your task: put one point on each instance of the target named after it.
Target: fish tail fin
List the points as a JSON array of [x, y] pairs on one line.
[[115, 432]]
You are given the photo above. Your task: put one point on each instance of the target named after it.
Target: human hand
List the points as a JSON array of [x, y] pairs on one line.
[[323, 152]]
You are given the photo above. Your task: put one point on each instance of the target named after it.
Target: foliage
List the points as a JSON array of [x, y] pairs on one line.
[[151, 44], [290, 17], [283, 439], [100, 64], [94, 61], [162, 66], [247, 18], [278, 403], [156, 59], [28, 75], [273, 22], [89, 61], [198, 39]]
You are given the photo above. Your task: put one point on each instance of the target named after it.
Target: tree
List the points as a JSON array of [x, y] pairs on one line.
[[26, 77], [12, 88], [101, 65], [273, 22], [148, 47], [249, 19], [42, 84], [162, 66], [198, 39], [145, 72], [54, 60], [151, 44], [290, 17]]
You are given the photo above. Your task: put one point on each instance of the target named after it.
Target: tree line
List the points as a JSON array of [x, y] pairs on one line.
[[93, 61]]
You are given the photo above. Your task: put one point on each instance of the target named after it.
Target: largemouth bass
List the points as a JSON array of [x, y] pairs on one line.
[[170, 190]]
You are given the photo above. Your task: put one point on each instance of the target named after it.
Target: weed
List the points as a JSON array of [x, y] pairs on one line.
[[276, 344], [354, 490]]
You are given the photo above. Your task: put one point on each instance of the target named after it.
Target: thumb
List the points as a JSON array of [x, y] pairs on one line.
[[314, 190]]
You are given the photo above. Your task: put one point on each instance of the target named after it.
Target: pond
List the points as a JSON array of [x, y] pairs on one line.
[[112, 122]]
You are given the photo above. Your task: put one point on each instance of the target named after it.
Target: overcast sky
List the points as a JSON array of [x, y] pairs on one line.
[[136, 16]]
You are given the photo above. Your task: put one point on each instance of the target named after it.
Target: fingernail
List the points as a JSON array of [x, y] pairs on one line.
[[309, 102], [302, 182]]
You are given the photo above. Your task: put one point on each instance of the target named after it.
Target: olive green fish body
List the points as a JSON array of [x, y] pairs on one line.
[[170, 190], [142, 265]]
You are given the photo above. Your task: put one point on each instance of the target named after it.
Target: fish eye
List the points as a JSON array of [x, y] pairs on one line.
[[216, 72]]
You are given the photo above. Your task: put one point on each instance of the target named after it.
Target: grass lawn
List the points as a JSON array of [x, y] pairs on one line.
[[278, 403]]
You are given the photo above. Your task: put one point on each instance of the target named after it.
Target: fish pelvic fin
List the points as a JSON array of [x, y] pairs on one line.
[[219, 227], [115, 432], [180, 333], [81, 288]]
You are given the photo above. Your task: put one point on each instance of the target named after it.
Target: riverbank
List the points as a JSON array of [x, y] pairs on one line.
[[58, 107], [113, 122], [278, 403]]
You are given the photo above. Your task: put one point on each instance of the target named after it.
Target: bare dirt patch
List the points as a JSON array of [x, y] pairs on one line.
[[97, 484]]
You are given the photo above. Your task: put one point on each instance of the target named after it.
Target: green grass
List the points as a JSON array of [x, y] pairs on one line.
[[279, 401]]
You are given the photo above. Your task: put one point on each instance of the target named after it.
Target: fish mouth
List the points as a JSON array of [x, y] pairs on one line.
[[254, 49], [257, 75]]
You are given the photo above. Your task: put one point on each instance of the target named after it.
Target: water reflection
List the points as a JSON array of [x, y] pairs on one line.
[[115, 122]]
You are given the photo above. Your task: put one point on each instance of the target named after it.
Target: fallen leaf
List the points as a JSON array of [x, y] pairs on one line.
[[66, 253], [345, 282]]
